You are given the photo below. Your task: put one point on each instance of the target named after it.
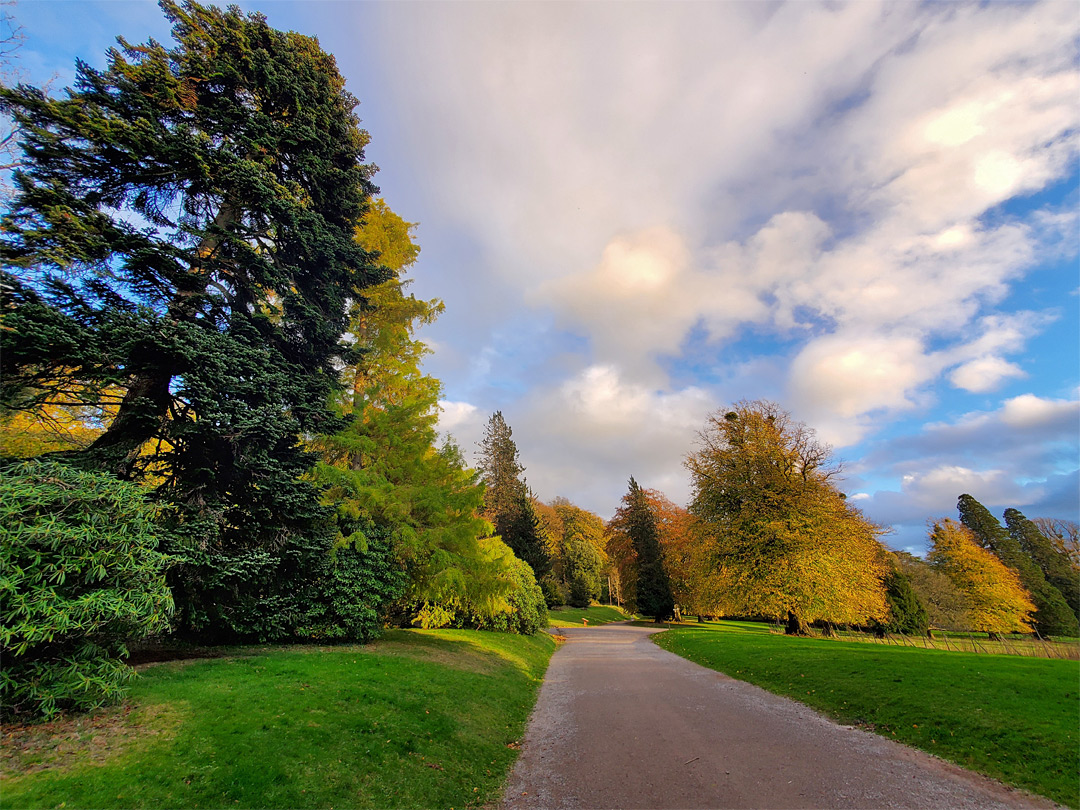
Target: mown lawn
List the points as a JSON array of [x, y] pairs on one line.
[[1014, 718], [418, 719], [596, 614]]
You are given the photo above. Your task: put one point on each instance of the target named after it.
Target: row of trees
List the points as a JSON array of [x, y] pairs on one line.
[[769, 534], [209, 359]]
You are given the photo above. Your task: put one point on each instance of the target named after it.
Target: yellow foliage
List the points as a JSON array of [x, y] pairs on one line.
[[999, 603]]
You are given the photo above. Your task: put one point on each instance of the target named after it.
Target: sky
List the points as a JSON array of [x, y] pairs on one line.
[[640, 213]]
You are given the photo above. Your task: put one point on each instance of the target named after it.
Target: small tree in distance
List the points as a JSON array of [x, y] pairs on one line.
[[636, 520]]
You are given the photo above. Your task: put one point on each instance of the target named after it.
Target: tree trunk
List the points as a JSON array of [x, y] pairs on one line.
[[145, 406], [796, 626], [827, 630]]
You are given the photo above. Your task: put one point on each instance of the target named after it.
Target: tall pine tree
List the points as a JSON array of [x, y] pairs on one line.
[[183, 231], [636, 520], [1054, 563], [1053, 616], [507, 501]]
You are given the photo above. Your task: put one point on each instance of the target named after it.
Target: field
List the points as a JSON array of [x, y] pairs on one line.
[[596, 614], [418, 719], [1014, 718]]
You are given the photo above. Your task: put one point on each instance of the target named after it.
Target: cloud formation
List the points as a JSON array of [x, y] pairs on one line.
[[830, 175]]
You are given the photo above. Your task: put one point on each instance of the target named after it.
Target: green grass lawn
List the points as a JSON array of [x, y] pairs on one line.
[[418, 719], [1010, 717], [597, 614]]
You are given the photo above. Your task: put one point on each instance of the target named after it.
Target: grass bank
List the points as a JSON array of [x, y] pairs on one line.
[[418, 719], [596, 614], [1012, 718]]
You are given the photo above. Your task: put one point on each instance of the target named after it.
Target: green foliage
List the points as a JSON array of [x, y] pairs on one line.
[[419, 720], [354, 590], [183, 231], [553, 594], [947, 607], [638, 522], [1054, 562], [1052, 614], [1009, 717], [81, 577], [526, 611], [906, 611], [583, 566], [507, 503]]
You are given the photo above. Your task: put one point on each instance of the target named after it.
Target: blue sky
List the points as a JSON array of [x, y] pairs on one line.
[[639, 213]]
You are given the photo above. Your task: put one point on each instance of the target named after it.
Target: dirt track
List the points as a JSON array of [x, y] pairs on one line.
[[621, 723]]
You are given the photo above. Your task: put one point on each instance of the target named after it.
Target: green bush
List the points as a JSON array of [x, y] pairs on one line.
[[81, 576], [554, 595], [355, 590]]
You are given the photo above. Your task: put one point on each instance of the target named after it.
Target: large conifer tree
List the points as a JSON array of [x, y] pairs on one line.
[[1053, 616], [635, 518], [183, 230], [1054, 563]]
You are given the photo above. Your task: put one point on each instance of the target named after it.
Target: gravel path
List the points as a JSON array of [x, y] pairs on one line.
[[621, 723]]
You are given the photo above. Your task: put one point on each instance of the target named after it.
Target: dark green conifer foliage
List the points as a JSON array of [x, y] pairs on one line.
[[506, 496], [520, 529], [654, 597], [1054, 563], [183, 229], [906, 612], [1053, 615]]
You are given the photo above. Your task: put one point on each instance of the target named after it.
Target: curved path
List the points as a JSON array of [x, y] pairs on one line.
[[621, 723]]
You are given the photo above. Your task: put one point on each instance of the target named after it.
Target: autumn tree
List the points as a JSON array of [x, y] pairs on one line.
[[183, 230], [582, 555], [1053, 616], [999, 603], [1059, 570], [637, 521], [406, 509], [781, 536]]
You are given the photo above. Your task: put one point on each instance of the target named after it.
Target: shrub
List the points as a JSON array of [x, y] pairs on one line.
[[554, 595], [355, 590], [81, 576]]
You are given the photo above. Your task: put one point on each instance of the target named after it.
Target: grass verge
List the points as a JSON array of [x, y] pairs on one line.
[[1012, 718], [597, 614], [418, 719]]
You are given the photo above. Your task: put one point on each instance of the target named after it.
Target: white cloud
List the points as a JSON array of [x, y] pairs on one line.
[[984, 374], [818, 175], [458, 417]]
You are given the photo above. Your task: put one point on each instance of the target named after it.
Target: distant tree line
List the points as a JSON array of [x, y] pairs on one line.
[[768, 534]]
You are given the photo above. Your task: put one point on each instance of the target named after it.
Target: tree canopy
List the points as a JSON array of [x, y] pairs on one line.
[[183, 232], [999, 603], [783, 540]]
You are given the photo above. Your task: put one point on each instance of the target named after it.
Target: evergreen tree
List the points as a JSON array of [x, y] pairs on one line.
[[1053, 562], [507, 501], [1053, 616], [183, 230], [906, 611], [948, 607], [636, 519]]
